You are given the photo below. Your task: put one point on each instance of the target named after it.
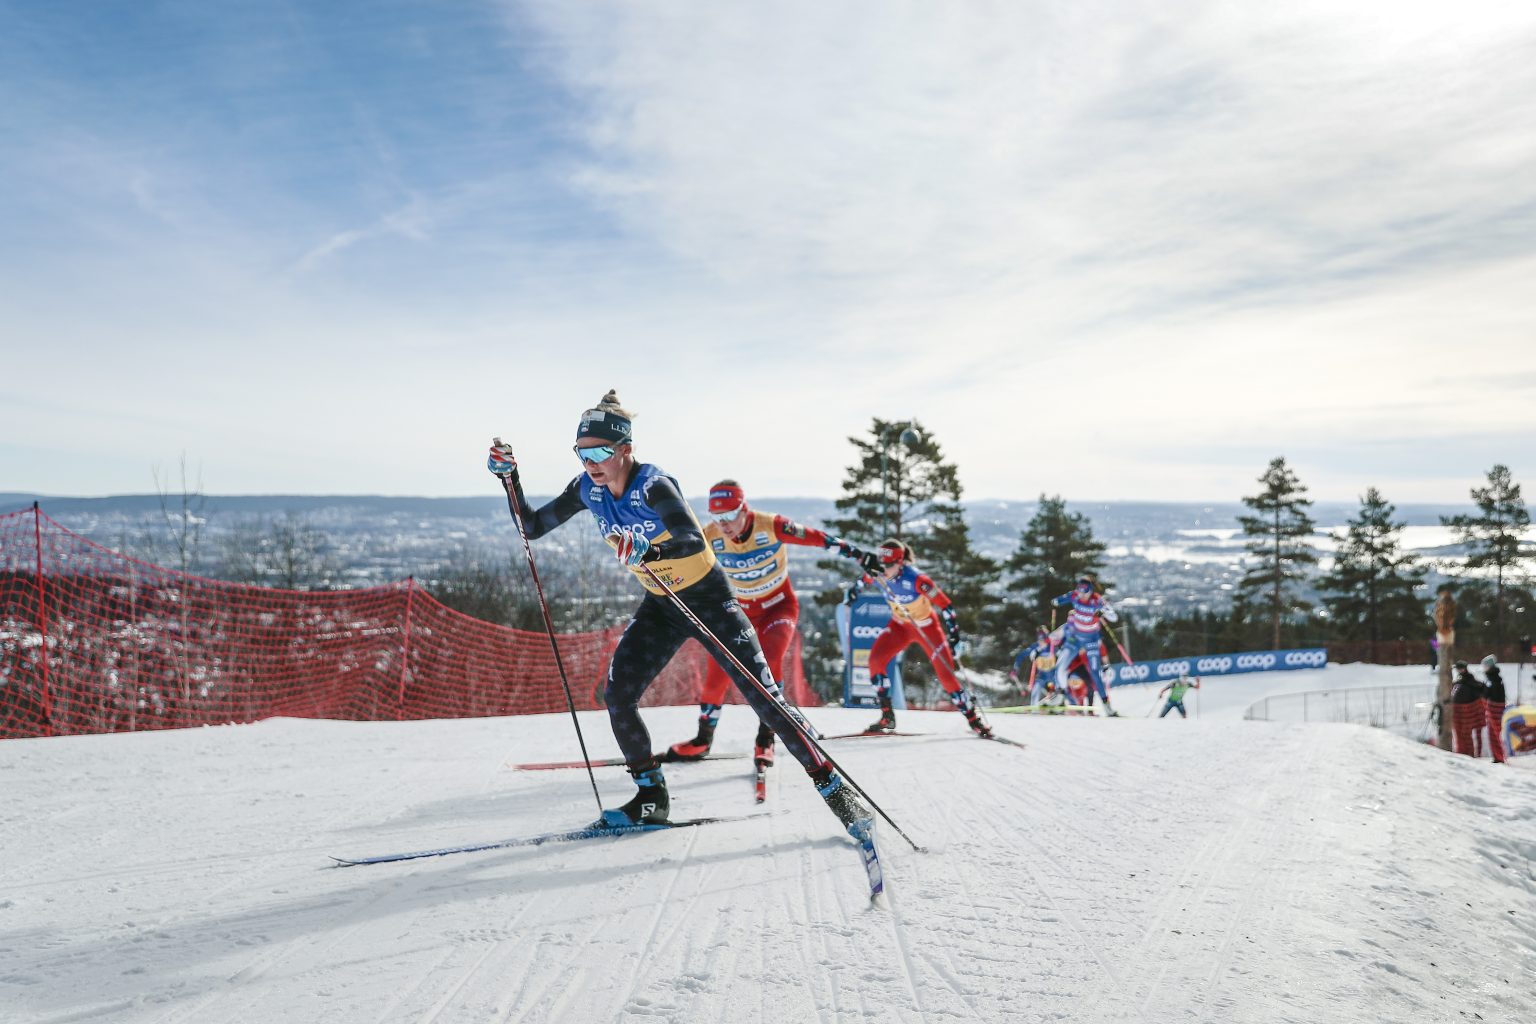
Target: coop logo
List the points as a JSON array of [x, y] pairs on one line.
[[1135, 673], [1172, 668], [1255, 661], [1316, 659], [1221, 664], [866, 632]]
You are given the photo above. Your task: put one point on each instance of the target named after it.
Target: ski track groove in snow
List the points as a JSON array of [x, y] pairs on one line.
[[1040, 806], [1085, 939], [447, 998], [562, 984], [1247, 850], [904, 953], [650, 946], [455, 944], [1266, 874]]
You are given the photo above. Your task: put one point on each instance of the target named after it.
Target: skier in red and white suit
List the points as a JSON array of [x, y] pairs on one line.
[[920, 614], [750, 547]]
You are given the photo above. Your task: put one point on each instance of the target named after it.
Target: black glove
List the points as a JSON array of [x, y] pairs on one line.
[[869, 562], [852, 593]]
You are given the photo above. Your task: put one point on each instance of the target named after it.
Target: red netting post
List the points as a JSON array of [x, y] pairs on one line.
[[405, 657], [42, 614]]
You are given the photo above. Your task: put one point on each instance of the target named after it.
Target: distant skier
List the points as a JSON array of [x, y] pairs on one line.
[[640, 510], [1176, 691], [1041, 658], [1082, 634], [1494, 698], [749, 545], [1467, 711], [921, 614]]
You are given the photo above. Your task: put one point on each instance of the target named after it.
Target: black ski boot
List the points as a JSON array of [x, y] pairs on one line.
[[649, 806], [965, 702], [887, 720], [855, 815]]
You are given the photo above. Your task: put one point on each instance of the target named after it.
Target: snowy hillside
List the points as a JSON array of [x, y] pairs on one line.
[[1130, 869]]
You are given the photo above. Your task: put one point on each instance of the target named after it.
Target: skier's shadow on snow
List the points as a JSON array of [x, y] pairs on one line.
[[545, 796]]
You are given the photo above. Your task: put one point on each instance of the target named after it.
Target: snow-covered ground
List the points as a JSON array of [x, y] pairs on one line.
[[1131, 869]]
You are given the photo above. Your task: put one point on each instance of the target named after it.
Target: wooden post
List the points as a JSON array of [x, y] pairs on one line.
[[1445, 632]]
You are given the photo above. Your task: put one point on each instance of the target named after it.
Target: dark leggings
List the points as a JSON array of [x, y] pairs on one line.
[[653, 636]]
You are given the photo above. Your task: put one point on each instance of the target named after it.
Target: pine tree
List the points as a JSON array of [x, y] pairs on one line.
[[1493, 537], [1279, 529], [901, 487], [1055, 548], [898, 480], [1374, 583]]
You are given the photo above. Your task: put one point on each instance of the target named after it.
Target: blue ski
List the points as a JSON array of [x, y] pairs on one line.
[[865, 837], [588, 832]]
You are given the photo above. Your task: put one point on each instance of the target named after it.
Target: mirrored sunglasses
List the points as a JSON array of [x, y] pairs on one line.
[[602, 453]]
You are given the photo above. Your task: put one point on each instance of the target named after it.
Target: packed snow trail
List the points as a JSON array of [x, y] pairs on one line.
[[1121, 870]]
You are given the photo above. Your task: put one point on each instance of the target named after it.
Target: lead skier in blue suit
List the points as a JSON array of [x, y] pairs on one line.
[[640, 510]]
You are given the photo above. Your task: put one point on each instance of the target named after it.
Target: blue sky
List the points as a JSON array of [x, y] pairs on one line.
[[1107, 250]]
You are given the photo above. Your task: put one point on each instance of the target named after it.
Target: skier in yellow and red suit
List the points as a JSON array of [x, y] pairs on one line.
[[749, 546]]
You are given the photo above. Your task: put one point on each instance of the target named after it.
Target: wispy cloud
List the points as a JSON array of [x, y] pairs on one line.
[[1201, 152]]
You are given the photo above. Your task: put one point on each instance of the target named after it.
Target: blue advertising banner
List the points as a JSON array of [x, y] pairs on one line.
[[1217, 665], [859, 624]]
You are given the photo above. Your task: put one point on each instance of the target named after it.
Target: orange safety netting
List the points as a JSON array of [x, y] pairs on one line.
[[94, 641]]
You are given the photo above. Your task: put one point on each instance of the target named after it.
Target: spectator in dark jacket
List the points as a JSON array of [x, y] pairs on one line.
[[1494, 695], [1468, 711]]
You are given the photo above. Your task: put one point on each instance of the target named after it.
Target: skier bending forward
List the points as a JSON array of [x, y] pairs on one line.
[[918, 607], [640, 510]]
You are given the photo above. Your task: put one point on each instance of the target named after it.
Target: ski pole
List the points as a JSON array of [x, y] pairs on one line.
[[805, 734], [1123, 653], [549, 625]]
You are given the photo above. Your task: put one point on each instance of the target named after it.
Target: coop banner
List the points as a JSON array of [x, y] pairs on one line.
[[859, 624], [1217, 665]]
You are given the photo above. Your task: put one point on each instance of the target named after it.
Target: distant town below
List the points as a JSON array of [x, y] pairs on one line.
[[1170, 556]]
